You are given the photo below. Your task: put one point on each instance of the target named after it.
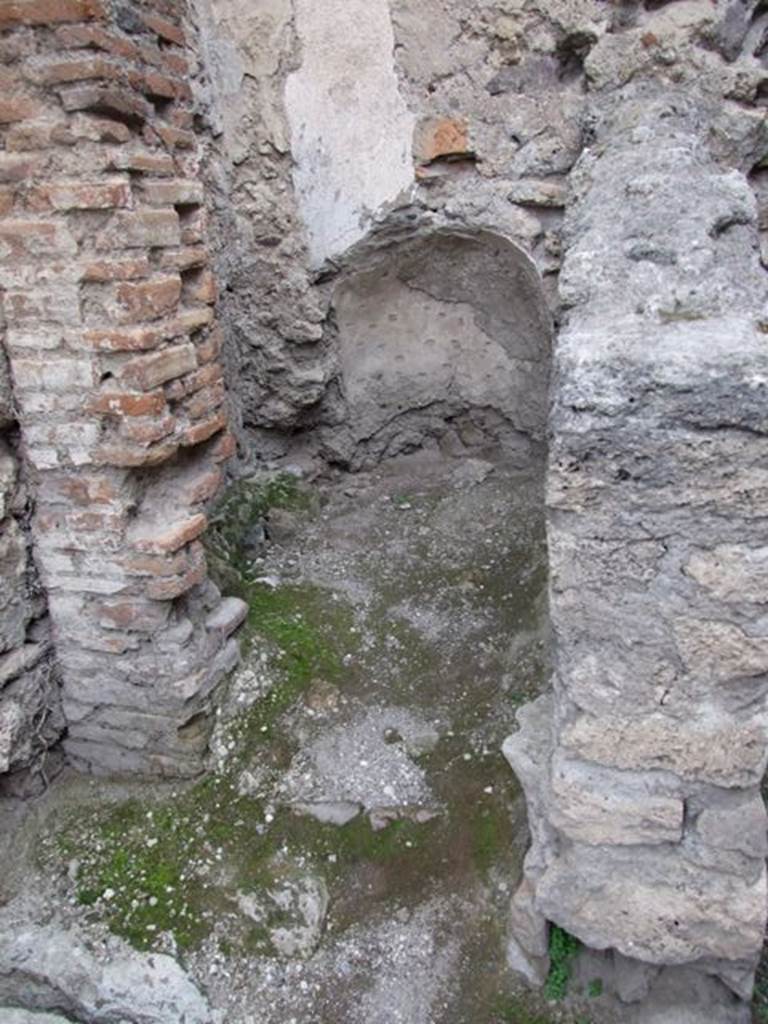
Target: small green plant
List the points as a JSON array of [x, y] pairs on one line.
[[563, 947], [595, 988]]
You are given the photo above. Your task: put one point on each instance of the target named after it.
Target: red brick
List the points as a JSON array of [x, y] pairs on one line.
[[193, 227], [25, 136], [83, 490], [204, 402], [144, 161], [155, 565], [225, 448], [164, 540], [104, 195], [164, 28], [184, 259], [149, 371], [126, 339], [136, 614], [147, 430], [202, 431], [125, 455], [188, 385], [116, 270], [174, 586], [175, 63], [57, 303], [165, 87], [200, 287], [88, 521], [55, 71], [174, 192], [81, 36], [127, 403], [203, 487], [150, 228], [18, 108], [190, 320], [15, 168], [437, 138], [95, 129], [150, 299], [176, 138], [53, 373], [181, 117], [20, 238], [209, 349], [43, 12], [122, 103]]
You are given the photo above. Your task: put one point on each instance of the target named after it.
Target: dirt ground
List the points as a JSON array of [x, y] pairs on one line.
[[351, 855]]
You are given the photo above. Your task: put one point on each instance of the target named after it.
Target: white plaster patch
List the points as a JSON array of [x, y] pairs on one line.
[[351, 130]]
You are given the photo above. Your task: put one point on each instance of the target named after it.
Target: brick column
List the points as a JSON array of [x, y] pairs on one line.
[[113, 345]]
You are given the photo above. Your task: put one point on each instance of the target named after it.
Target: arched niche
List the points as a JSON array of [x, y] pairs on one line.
[[442, 330]]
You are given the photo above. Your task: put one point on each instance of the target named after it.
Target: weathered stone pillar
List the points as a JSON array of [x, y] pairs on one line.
[[112, 343], [643, 768]]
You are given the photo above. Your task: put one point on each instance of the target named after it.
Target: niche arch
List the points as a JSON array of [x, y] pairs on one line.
[[442, 333]]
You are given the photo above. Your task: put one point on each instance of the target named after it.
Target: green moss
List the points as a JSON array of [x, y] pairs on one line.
[[513, 1011], [306, 634], [133, 861], [595, 988], [562, 950], [490, 834], [760, 994], [244, 506], [173, 866]]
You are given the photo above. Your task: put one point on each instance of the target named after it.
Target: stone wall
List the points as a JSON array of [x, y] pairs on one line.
[[643, 769], [113, 345], [30, 706], [407, 160]]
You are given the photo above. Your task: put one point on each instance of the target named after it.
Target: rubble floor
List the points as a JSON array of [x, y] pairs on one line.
[[352, 852]]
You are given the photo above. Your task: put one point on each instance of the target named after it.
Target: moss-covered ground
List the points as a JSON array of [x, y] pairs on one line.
[[170, 867]]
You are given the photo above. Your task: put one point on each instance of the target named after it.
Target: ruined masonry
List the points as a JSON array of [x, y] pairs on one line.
[[564, 203], [112, 394], [643, 768]]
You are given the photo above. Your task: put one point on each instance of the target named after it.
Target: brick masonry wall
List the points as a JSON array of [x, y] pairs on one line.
[[113, 345]]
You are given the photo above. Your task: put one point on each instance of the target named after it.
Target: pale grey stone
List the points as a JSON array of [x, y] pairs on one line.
[[594, 806], [683, 995], [227, 616], [724, 752], [293, 909], [735, 824], [527, 942], [11, 1016], [672, 911], [329, 813], [632, 978], [20, 660], [720, 650], [733, 573], [16, 607], [44, 967]]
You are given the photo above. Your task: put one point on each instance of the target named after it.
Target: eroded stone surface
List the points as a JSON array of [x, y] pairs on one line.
[[46, 968]]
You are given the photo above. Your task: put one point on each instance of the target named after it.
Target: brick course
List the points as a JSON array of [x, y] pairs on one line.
[[113, 350]]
